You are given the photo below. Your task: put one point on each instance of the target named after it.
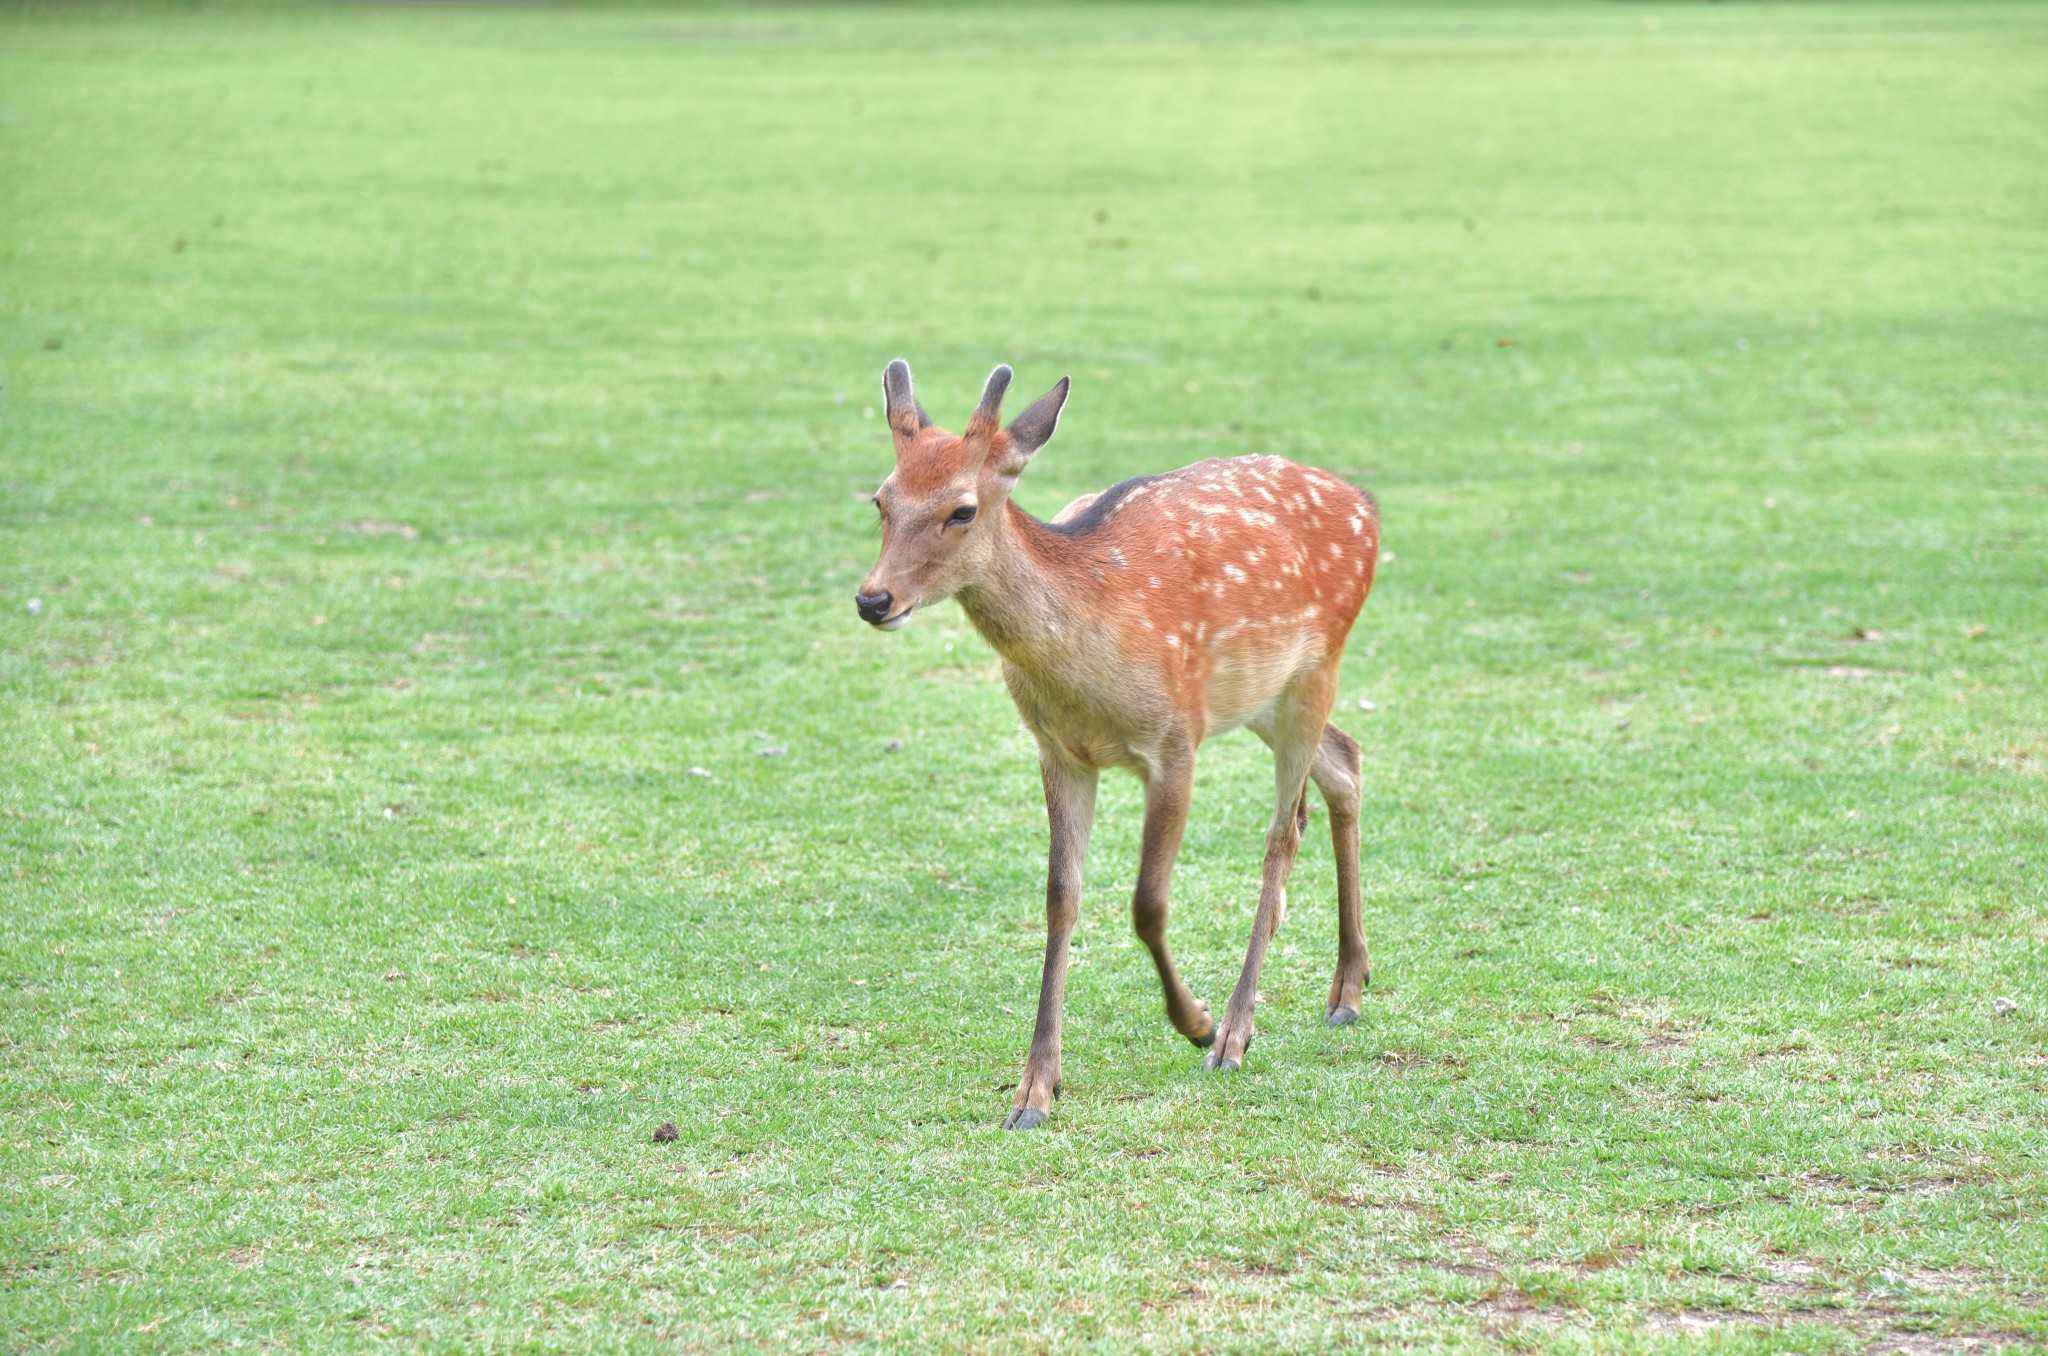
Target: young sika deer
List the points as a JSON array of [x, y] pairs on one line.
[[1132, 626]]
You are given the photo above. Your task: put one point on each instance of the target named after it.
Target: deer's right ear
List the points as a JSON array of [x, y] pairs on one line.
[[907, 418], [1033, 429]]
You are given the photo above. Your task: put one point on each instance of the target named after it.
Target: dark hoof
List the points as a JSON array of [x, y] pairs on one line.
[[1343, 1016], [1024, 1118], [1206, 1039], [1219, 1064]]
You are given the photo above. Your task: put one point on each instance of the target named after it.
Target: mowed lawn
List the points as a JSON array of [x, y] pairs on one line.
[[430, 436]]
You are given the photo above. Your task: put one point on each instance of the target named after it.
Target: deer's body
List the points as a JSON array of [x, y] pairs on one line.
[[1135, 624], [1176, 606]]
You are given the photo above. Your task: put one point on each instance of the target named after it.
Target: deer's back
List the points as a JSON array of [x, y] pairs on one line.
[[1224, 579]]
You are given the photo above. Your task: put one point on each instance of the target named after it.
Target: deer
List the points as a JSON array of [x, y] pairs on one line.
[[1132, 626]]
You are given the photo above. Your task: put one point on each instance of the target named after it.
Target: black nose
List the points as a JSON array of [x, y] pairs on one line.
[[873, 606]]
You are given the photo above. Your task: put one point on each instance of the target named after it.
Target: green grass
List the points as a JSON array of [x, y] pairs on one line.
[[429, 432]]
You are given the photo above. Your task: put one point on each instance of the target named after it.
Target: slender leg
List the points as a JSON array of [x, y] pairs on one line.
[[1166, 817], [1070, 808], [1300, 827], [1296, 731], [1339, 775]]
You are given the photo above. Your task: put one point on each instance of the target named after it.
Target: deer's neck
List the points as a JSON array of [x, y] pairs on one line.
[[1022, 602]]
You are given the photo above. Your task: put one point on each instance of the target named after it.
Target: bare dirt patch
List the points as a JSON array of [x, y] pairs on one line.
[[1881, 1331], [1608, 1257], [1362, 1200], [1504, 1309], [1796, 1292]]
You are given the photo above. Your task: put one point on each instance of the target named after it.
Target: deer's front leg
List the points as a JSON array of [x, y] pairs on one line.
[[1234, 1033], [1070, 808]]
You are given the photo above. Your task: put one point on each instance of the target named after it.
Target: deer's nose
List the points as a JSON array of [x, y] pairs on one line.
[[873, 606]]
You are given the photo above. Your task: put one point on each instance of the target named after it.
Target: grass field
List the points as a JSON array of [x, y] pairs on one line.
[[428, 433]]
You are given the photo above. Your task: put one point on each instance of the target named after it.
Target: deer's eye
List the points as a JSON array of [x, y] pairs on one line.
[[962, 516]]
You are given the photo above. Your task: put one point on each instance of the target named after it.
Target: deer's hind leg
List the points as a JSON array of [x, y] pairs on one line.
[[1295, 732], [1339, 772]]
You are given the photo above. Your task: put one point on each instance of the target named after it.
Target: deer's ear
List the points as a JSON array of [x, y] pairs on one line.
[[1033, 429], [907, 418]]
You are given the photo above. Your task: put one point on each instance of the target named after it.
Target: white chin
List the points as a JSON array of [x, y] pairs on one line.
[[897, 622]]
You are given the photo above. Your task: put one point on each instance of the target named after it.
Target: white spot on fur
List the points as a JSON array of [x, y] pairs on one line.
[[1314, 496], [1336, 551], [1234, 572], [1116, 557]]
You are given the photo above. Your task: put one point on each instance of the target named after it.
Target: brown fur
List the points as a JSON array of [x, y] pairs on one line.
[[1133, 626]]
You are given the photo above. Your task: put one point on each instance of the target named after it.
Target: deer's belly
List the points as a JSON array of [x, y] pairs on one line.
[[1242, 681]]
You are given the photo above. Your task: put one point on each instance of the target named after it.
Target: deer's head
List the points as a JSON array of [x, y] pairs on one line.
[[942, 507]]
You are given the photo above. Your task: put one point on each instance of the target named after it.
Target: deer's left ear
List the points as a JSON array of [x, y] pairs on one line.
[[1032, 429]]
